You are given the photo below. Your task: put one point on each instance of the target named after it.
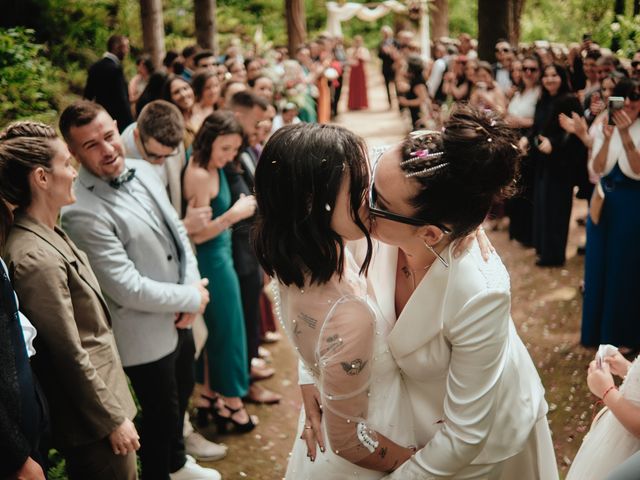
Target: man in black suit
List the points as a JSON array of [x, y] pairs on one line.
[[106, 84], [249, 110]]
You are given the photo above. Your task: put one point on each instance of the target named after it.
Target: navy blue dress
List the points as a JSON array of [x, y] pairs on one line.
[[611, 308]]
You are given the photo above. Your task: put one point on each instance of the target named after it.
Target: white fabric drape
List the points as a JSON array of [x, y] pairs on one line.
[[342, 13]]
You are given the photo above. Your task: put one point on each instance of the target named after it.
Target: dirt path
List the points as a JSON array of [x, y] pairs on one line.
[[546, 308]]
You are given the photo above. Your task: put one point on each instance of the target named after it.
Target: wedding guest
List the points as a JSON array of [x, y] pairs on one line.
[[153, 90], [555, 155], [137, 84], [387, 50], [106, 83], [520, 115], [149, 276], [417, 97], [206, 88], [610, 311], [263, 87], [179, 92], [78, 364], [188, 61], [157, 138], [205, 61], [486, 92], [226, 371], [615, 433], [358, 59]]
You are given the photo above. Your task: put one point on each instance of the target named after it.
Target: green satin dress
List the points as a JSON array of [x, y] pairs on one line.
[[227, 340]]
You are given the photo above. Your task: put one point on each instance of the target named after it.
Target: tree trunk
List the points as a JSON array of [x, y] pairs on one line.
[[636, 7], [296, 24], [493, 23], [204, 12], [618, 10], [439, 14], [497, 19], [152, 30]]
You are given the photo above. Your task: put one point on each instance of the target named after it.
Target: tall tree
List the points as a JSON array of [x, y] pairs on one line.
[[296, 24], [152, 29], [439, 18], [497, 19], [205, 15]]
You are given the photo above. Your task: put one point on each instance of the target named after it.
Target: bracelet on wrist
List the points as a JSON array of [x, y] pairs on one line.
[[606, 392]]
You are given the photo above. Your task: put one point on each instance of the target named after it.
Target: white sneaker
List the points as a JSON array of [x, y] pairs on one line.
[[202, 449], [193, 471]]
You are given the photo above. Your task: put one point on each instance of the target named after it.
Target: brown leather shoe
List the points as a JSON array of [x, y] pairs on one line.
[[258, 394]]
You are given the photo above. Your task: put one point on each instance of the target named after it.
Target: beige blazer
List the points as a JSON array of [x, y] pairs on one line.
[[77, 361], [474, 390]]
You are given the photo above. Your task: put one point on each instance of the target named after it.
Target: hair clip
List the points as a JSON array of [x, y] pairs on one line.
[[427, 172], [493, 123], [489, 140], [421, 156], [515, 147], [422, 133]]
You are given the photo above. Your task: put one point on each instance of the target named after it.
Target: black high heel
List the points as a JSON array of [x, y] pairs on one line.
[[229, 424], [203, 413]]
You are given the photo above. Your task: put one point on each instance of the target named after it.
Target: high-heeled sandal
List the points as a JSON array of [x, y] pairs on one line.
[[203, 413], [229, 424]]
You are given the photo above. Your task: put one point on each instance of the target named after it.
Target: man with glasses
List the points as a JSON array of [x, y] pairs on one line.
[[502, 67], [157, 138]]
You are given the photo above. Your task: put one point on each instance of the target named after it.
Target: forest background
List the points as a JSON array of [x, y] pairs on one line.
[[46, 46]]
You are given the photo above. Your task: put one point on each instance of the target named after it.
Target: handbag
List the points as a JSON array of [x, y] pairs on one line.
[[597, 201]]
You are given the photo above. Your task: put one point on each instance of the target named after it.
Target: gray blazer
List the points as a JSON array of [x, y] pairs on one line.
[[145, 283]]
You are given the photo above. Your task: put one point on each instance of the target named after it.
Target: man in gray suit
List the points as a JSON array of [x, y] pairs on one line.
[[140, 253]]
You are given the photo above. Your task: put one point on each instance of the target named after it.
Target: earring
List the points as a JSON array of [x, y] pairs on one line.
[[327, 207], [432, 250]]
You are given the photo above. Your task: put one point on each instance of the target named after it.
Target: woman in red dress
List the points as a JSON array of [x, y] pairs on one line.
[[358, 58]]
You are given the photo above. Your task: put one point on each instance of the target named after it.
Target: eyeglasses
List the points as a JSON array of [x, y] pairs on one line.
[[394, 217], [633, 96], [530, 69], [503, 50], [155, 156]]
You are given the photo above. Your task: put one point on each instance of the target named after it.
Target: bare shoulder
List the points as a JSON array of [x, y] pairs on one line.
[[198, 182]]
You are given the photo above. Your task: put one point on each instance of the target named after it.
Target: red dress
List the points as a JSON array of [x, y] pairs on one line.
[[358, 87]]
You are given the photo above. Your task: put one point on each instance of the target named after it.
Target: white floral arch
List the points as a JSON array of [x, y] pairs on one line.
[[341, 13]]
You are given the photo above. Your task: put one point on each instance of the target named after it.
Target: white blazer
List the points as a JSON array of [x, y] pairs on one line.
[[474, 390]]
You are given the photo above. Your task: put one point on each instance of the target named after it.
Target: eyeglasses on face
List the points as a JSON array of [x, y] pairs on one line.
[[530, 69], [151, 156], [503, 50], [375, 211]]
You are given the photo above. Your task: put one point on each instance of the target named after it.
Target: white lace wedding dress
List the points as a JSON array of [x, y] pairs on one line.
[[340, 339], [608, 443]]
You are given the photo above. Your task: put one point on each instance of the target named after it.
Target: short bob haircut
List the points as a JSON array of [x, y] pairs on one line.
[[296, 184], [217, 124]]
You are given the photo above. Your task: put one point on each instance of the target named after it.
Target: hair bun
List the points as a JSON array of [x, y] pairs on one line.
[[482, 151]]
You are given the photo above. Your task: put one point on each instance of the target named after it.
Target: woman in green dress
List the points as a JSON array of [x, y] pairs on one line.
[[222, 369]]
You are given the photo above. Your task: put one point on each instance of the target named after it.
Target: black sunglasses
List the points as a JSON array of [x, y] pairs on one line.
[[379, 212], [633, 96], [530, 69], [504, 50]]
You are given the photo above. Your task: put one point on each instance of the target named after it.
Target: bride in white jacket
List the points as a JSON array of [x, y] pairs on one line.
[[477, 400]]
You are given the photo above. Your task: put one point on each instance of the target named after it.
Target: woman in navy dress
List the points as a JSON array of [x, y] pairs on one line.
[[611, 310]]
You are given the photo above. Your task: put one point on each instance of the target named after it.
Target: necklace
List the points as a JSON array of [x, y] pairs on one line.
[[411, 273]]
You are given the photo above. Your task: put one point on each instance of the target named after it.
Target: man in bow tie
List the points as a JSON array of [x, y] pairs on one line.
[[139, 250]]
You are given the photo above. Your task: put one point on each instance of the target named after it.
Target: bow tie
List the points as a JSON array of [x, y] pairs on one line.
[[124, 178]]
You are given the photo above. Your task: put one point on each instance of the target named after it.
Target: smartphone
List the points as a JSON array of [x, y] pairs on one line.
[[586, 37], [615, 104]]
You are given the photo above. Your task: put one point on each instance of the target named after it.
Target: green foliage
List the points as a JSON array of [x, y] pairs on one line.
[[28, 82]]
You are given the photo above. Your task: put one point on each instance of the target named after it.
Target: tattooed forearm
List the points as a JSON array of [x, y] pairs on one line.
[[383, 452], [354, 367], [309, 320]]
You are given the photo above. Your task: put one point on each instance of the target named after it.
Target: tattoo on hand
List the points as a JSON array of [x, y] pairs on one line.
[[383, 452], [354, 367]]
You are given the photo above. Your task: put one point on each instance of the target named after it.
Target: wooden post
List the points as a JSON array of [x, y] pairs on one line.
[[439, 14], [296, 24], [204, 12], [152, 30]]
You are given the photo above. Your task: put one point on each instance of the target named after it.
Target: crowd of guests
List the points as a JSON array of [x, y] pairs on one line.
[[150, 274]]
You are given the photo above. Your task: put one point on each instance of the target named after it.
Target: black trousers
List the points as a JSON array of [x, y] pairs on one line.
[[250, 289], [163, 389]]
